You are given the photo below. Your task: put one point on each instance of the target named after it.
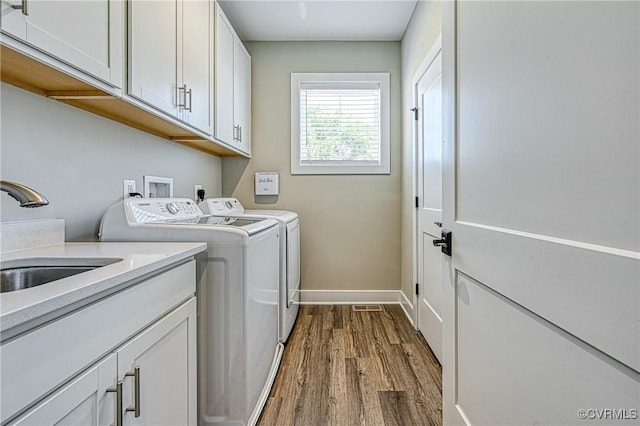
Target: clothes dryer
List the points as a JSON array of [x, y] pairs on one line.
[[289, 298], [237, 296]]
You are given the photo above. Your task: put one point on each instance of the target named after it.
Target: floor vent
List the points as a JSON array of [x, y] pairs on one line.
[[367, 308]]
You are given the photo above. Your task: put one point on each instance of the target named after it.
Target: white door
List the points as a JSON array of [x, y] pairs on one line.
[[14, 18], [195, 43], [158, 368], [242, 96], [428, 94], [88, 400], [541, 188], [92, 44], [224, 39], [153, 61]]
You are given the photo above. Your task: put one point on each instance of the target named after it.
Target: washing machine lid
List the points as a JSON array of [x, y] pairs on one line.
[[283, 215], [250, 225], [229, 206]]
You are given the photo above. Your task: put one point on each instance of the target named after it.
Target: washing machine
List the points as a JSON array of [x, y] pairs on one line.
[[237, 293], [289, 298]]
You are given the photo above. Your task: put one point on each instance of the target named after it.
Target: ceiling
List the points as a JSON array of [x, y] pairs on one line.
[[325, 20]]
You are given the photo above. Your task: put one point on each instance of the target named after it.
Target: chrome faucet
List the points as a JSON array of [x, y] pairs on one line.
[[26, 196]]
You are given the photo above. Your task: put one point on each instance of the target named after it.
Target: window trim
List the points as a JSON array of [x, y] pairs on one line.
[[383, 168]]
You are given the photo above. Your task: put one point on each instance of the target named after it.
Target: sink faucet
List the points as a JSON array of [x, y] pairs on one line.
[[26, 196]]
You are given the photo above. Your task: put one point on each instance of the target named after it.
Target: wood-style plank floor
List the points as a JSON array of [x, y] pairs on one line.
[[342, 367]]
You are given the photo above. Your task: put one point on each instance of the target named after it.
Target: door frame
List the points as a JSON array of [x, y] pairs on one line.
[[426, 63], [452, 414]]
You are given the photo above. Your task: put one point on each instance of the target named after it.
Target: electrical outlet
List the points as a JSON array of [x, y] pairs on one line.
[[195, 192], [128, 186]]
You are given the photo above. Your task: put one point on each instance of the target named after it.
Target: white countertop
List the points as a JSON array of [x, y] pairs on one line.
[[139, 259]]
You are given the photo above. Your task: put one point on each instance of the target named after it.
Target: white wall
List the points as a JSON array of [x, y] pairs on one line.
[[78, 160], [423, 30], [350, 225]]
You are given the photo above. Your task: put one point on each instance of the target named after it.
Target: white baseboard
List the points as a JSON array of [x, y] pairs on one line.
[[407, 307], [349, 297]]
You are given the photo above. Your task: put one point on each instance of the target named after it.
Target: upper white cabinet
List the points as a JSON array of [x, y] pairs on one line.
[[170, 58], [153, 53], [172, 68], [87, 35], [196, 44], [224, 131], [242, 96], [232, 87]]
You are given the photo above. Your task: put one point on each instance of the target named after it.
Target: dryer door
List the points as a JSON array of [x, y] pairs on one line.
[[293, 262]]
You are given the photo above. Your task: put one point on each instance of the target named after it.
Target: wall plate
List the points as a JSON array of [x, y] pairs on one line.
[[158, 187], [128, 186]]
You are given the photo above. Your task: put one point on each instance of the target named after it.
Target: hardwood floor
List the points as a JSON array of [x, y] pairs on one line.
[[342, 367]]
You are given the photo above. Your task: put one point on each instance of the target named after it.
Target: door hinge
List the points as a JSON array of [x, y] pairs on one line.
[[415, 113], [417, 202], [417, 289]]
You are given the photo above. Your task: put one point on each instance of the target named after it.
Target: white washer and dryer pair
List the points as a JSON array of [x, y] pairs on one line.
[[237, 294], [289, 223]]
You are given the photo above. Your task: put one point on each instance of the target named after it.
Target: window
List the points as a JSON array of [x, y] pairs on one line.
[[340, 123]]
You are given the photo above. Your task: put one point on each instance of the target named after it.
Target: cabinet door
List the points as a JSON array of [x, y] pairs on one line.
[[153, 72], [242, 96], [13, 21], [85, 401], [224, 40], [85, 34], [165, 357], [197, 50]]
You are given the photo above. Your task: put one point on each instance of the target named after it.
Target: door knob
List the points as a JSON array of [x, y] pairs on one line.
[[440, 243], [445, 242]]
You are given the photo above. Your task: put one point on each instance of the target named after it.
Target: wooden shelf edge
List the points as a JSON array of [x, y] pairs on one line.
[[78, 94]]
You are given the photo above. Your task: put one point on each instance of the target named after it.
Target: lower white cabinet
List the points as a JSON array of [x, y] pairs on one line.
[[67, 371], [150, 380], [158, 370], [84, 401]]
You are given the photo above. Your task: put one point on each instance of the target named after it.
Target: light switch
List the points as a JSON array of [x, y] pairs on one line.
[[267, 183]]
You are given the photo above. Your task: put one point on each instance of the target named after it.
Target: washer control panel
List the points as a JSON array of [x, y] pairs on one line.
[[223, 206], [143, 210]]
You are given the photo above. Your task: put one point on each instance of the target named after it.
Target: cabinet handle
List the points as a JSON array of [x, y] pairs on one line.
[[239, 133], [190, 98], [118, 390], [182, 89], [136, 391], [24, 7], [235, 133]]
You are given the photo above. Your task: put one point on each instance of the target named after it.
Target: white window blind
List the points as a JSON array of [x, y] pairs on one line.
[[340, 123]]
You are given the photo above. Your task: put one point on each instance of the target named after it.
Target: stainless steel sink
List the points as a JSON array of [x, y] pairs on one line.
[[26, 273]]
